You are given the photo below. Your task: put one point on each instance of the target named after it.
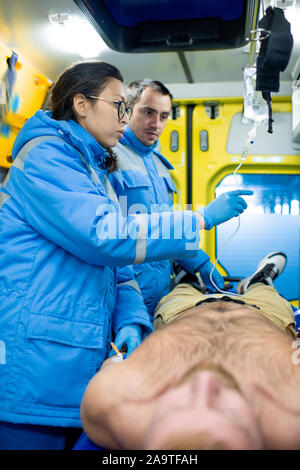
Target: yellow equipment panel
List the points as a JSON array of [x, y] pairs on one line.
[[173, 144], [29, 92]]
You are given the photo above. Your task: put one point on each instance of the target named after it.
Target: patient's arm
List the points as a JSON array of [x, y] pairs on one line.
[[116, 407], [118, 402], [103, 408]]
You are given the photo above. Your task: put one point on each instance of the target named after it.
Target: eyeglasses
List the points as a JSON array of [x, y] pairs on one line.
[[122, 108]]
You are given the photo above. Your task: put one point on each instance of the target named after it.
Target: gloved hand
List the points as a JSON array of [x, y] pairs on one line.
[[130, 336], [224, 207], [205, 270]]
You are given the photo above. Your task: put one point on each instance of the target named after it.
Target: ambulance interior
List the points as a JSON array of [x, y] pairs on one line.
[[199, 49]]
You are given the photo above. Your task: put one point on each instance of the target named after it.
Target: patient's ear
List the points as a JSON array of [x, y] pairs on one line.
[[81, 105]]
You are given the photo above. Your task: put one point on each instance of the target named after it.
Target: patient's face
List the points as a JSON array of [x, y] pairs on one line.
[[205, 404]]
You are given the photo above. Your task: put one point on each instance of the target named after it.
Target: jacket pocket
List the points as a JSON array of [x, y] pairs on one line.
[[68, 332], [134, 179], [60, 357], [138, 192]]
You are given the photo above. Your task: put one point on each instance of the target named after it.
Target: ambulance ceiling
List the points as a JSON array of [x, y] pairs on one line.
[[187, 44], [170, 25]]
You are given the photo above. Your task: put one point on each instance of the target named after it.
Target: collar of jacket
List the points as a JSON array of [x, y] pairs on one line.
[[79, 137], [130, 139]]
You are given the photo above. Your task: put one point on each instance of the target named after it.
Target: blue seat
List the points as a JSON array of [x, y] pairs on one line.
[[84, 443]]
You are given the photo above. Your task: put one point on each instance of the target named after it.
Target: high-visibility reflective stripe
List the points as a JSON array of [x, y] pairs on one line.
[[110, 190], [2, 352], [141, 243], [162, 169], [131, 283], [3, 198], [22, 154], [5, 181], [91, 170], [20, 158], [129, 160]]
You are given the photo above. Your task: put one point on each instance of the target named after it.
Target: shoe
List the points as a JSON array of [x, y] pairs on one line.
[[267, 270]]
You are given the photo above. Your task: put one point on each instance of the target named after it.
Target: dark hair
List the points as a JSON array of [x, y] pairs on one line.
[[135, 89], [86, 78]]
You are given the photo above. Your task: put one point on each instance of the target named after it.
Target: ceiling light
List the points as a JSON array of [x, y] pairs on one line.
[[284, 3], [74, 34]]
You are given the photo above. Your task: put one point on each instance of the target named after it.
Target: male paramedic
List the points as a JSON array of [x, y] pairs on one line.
[[143, 183], [219, 372]]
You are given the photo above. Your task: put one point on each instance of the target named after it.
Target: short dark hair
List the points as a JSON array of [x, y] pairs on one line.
[[135, 89], [86, 78]]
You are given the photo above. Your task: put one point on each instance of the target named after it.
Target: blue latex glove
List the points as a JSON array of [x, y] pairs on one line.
[[205, 270], [224, 207], [129, 336]]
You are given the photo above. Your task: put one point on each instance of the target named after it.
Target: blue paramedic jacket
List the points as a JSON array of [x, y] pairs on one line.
[[143, 183], [65, 287]]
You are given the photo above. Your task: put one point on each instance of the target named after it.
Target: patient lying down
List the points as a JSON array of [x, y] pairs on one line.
[[219, 375]]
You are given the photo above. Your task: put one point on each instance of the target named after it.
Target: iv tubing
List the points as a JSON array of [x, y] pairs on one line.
[[249, 141]]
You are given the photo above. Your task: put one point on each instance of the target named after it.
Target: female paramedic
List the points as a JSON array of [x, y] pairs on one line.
[[65, 290]]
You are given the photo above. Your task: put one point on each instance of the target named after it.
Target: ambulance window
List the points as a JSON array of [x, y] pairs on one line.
[[270, 223]]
